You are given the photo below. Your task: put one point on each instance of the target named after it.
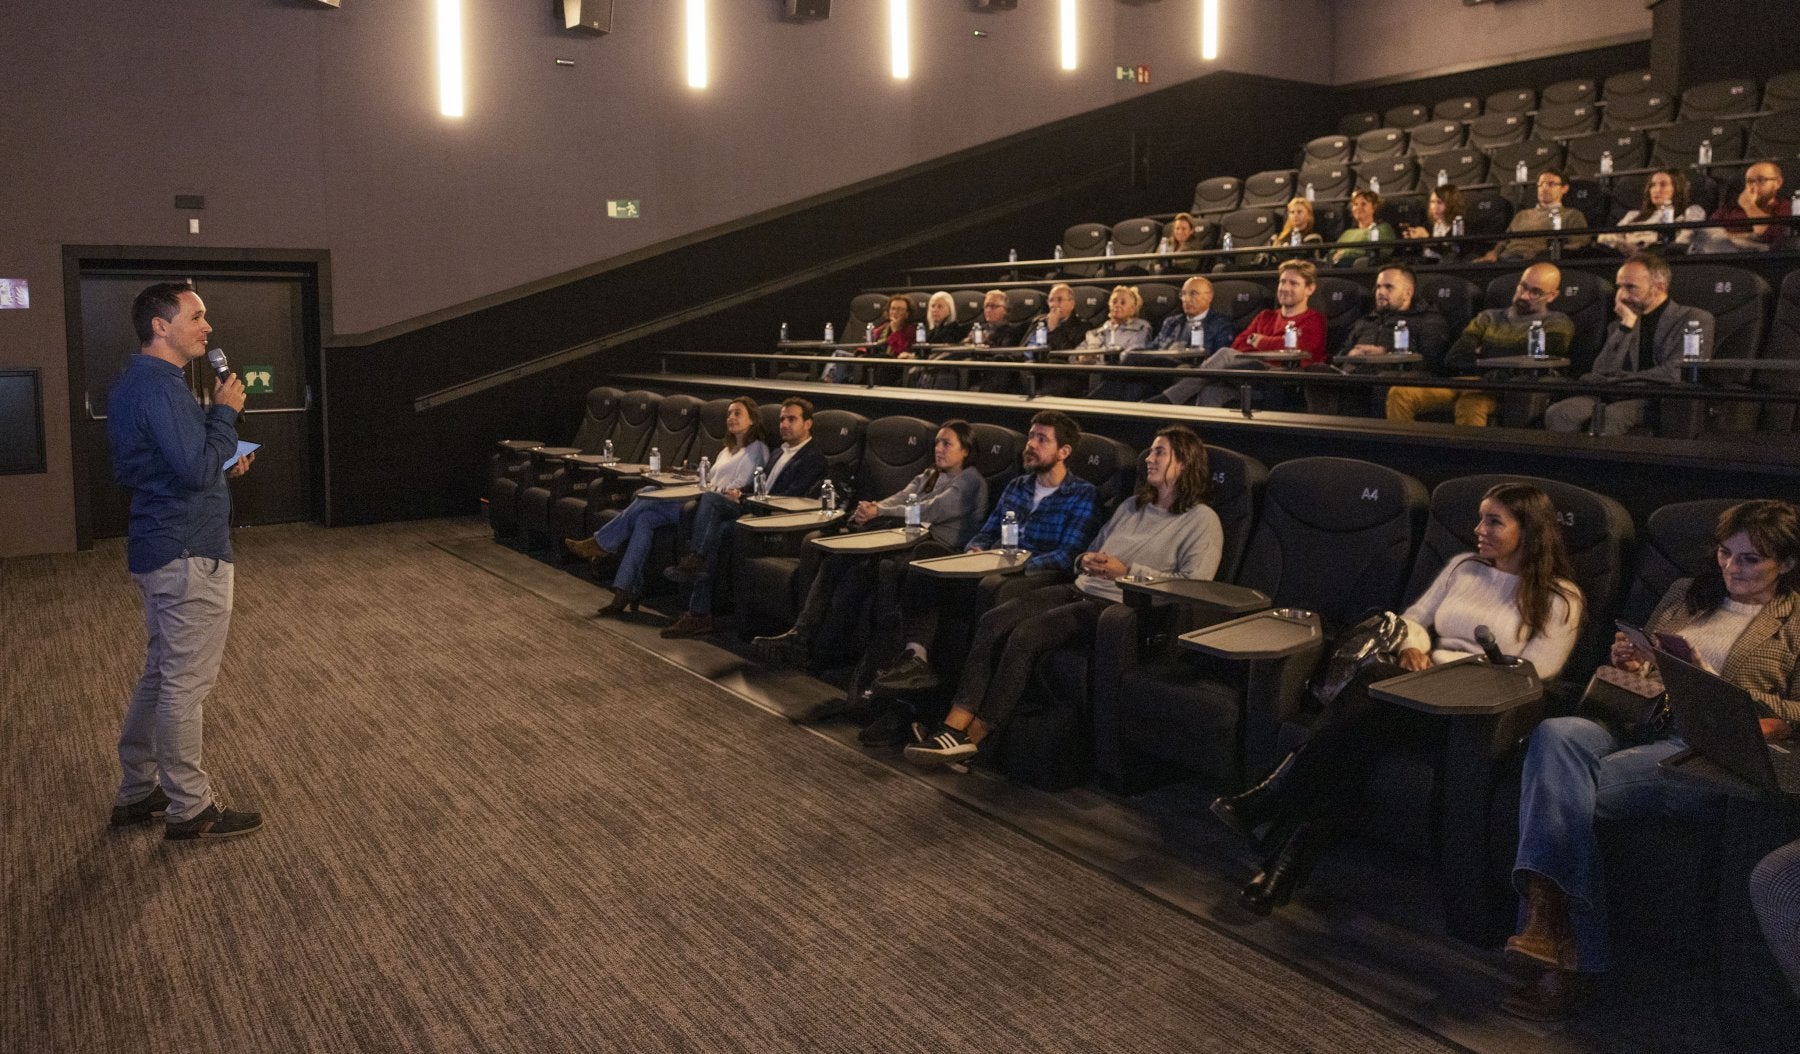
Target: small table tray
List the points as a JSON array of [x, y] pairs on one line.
[[555, 451], [625, 468], [871, 543], [685, 492], [1520, 362], [520, 446], [1392, 358], [789, 521], [1272, 634], [1218, 596], [783, 504], [1466, 686], [671, 479], [974, 565]]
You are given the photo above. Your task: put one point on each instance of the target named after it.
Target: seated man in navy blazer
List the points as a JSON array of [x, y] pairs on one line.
[[1195, 328], [796, 471], [1643, 346]]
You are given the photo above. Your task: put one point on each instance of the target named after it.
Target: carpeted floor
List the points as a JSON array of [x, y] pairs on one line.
[[495, 825]]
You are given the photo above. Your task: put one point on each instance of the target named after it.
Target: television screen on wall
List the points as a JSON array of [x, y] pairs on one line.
[[21, 422]]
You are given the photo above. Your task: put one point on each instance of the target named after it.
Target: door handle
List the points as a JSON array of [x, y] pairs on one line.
[[87, 404]]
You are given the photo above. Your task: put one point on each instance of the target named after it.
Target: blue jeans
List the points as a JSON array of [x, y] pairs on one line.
[[1575, 774], [710, 535], [631, 534]]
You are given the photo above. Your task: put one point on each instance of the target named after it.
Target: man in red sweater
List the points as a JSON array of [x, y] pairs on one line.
[[1269, 330]]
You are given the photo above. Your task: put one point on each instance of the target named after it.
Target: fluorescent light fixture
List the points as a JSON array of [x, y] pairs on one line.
[[696, 43], [450, 58], [1068, 34], [902, 42], [1209, 29]]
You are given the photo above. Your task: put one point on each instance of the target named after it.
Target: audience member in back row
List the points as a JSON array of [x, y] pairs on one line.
[[1739, 618], [1517, 583], [1363, 230], [1498, 332], [1057, 513], [1643, 345], [941, 331], [992, 330], [1123, 332], [796, 470], [1184, 236], [629, 534], [1165, 530], [1548, 214], [952, 495], [1186, 337], [894, 340], [1298, 230], [1064, 331], [1760, 199], [1665, 201], [1270, 329], [1443, 210]]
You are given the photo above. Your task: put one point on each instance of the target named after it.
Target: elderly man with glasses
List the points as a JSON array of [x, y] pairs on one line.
[[1498, 332], [1549, 214]]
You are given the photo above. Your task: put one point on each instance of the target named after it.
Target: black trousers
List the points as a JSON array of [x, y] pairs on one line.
[[1010, 640], [1357, 731]]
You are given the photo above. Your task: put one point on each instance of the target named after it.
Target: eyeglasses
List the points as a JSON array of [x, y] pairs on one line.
[[1534, 293]]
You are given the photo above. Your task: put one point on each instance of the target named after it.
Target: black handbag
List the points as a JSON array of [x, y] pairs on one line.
[[1375, 641], [1635, 707]]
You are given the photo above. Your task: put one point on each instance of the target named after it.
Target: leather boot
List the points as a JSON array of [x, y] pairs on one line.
[[1547, 938], [623, 600], [1296, 848], [1245, 812], [585, 548]]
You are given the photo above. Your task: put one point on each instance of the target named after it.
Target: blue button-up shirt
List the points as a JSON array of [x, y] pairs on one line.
[[172, 455], [1055, 532]]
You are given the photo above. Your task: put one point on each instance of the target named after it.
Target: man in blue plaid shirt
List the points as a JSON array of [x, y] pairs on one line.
[[1058, 514]]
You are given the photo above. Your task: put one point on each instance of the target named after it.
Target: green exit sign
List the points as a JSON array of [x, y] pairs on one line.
[[624, 209]]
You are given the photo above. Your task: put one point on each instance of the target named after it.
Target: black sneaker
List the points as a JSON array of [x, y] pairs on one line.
[[910, 674], [946, 747], [213, 822], [889, 729], [793, 648], [143, 810]]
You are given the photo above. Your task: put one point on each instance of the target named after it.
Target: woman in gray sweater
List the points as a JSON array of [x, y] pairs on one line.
[[1165, 530], [952, 497]]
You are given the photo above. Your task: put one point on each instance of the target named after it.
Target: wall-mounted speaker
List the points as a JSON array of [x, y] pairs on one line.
[[584, 16], [805, 10]]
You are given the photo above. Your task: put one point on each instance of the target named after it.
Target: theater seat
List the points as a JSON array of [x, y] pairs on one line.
[[1334, 536], [1269, 190], [1435, 136], [1355, 124], [1487, 214], [1567, 120], [1511, 100], [968, 304], [1379, 143], [1240, 299], [1405, 116], [1135, 236], [1399, 175], [1249, 227], [1084, 239], [1782, 91], [600, 416], [1090, 303], [1332, 182], [1739, 301], [1462, 168], [1493, 130], [1776, 136], [1581, 89], [1629, 150], [1628, 85], [1328, 150], [1023, 305], [1160, 298], [1783, 345], [1736, 97], [1679, 144], [1588, 301], [1678, 543], [1538, 155], [1452, 296], [1462, 108], [1342, 302], [1216, 195], [1639, 111]]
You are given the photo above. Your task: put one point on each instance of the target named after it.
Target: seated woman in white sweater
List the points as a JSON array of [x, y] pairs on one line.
[[1165, 530], [1665, 201], [1517, 583]]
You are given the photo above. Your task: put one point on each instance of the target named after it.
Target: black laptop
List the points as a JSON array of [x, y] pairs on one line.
[[1719, 721]]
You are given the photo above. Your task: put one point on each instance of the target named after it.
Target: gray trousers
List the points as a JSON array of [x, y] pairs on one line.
[[187, 613], [1574, 413]]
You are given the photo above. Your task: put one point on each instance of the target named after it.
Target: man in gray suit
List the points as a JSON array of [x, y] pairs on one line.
[[1643, 346]]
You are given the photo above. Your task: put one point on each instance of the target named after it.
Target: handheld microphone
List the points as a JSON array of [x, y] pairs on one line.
[[216, 359], [1489, 646]]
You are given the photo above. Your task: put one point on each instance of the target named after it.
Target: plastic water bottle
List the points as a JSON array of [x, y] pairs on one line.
[[1294, 237], [1521, 174], [978, 333], [759, 482], [1443, 178], [655, 460], [705, 473], [1374, 232], [1058, 254], [912, 510], [1690, 342], [1012, 256], [1040, 336], [1009, 530], [1534, 341], [1556, 217], [869, 331], [1374, 184], [1666, 214], [828, 497], [830, 334], [919, 333], [1290, 337], [1225, 241], [1196, 335], [1705, 156], [606, 451], [1309, 192], [1606, 162], [1109, 247], [1456, 227], [1402, 338], [784, 336], [1163, 245], [1794, 205]]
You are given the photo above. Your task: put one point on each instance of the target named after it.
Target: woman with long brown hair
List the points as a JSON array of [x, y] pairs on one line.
[[1517, 583], [1165, 530]]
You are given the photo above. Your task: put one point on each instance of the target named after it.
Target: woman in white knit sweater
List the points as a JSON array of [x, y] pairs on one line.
[[1165, 530], [1517, 583]]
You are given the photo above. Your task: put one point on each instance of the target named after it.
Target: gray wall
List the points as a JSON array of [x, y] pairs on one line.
[[1382, 39]]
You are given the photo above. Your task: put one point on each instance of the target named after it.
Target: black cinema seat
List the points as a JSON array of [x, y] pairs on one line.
[[1739, 301], [1329, 182], [1782, 91], [671, 435], [1678, 542], [1462, 108], [1334, 536], [1269, 190], [1587, 300], [1639, 111], [1090, 303], [537, 504], [1397, 175], [1714, 100], [1776, 136], [599, 417], [1590, 199], [1379, 143], [1452, 296], [1160, 298], [1783, 345], [1050, 741], [1628, 85], [1249, 227], [1135, 236], [1084, 239], [1328, 150], [1241, 300], [1461, 168], [1342, 302], [1355, 124], [1435, 136], [1023, 305], [1538, 155], [1406, 116], [1511, 100], [866, 309], [1493, 130], [1488, 212], [1567, 120], [1679, 144], [968, 304], [1216, 195], [1581, 89], [1628, 149]]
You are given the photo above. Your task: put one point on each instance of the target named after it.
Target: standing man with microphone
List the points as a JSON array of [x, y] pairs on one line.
[[172, 455]]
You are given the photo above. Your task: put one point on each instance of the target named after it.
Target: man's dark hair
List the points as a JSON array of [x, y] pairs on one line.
[[1557, 172], [803, 405], [162, 300], [1068, 433]]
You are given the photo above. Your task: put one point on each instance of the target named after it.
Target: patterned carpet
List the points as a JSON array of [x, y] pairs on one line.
[[493, 825]]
